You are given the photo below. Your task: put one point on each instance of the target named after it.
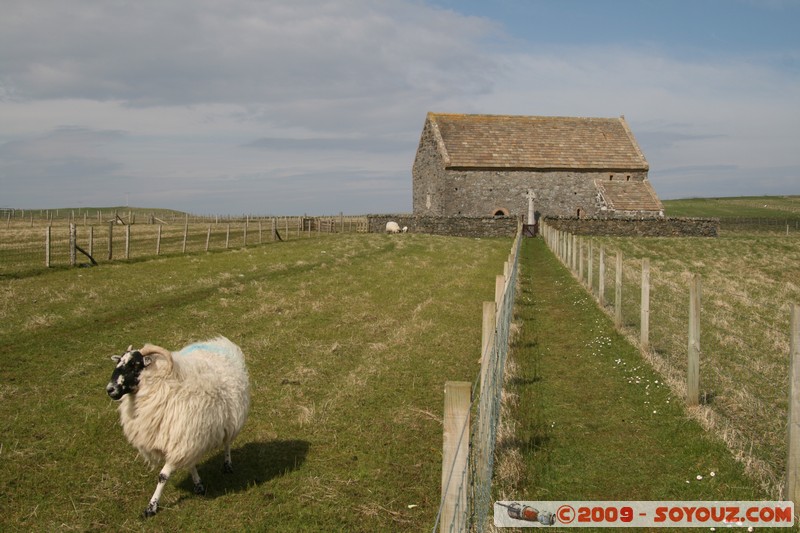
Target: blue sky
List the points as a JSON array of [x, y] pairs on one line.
[[316, 107]]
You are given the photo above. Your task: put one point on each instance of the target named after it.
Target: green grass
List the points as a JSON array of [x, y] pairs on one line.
[[593, 420], [749, 282], [743, 206], [349, 341]]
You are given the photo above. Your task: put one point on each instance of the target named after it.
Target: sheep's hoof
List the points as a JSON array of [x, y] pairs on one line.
[[227, 467], [150, 511], [200, 489]]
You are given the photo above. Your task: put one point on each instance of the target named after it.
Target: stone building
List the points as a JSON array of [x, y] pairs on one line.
[[500, 165]]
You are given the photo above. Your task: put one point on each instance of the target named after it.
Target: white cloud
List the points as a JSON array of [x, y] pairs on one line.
[[276, 107], [726, 114]]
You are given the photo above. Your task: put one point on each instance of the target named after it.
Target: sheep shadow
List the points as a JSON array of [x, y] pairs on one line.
[[253, 464]]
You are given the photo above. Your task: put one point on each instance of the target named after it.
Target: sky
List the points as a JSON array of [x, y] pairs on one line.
[[303, 106]]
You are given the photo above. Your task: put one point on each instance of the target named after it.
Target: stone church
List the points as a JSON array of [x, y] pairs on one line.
[[501, 165]]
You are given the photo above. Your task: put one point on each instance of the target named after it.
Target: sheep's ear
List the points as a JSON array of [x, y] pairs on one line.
[[130, 347], [116, 358], [148, 360]]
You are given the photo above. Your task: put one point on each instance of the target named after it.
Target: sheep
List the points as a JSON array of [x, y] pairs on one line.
[[176, 407], [394, 227]]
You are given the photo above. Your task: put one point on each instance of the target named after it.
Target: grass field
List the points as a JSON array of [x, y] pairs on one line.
[[749, 282], [350, 339], [767, 207], [592, 420], [349, 342], [31, 240]]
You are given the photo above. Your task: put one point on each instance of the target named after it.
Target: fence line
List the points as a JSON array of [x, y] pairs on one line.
[[775, 473], [467, 467], [41, 243]]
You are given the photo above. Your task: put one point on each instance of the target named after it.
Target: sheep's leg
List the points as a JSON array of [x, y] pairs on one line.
[[163, 476], [228, 465], [198, 483]]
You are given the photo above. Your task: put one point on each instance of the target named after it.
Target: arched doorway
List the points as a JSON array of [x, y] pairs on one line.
[[500, 212]]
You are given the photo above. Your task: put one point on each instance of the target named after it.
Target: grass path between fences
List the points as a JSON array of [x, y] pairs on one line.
[[592, 420]]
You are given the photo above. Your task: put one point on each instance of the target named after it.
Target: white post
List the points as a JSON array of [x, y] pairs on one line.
[[693, 373], [792, 489], [601, 282], [618, 292], [645, 307]]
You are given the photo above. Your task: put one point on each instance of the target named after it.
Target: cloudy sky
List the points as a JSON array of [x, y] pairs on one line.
[[305, 106]]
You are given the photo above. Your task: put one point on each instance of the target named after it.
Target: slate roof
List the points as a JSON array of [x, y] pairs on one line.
[[629, 195], [536, 143]]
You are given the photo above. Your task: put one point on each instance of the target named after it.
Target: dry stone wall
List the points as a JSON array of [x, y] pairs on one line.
[[637, 227], [452, 226]]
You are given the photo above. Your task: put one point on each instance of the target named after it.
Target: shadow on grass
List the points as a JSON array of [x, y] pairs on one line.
[[253, 464], [522, 381]]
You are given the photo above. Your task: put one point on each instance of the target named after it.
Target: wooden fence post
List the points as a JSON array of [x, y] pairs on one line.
[[591, 265], [158, 240], [487, 338], [499, 287], [47, 246], [208, 237], [791, 491], [487, 386], [128, 240], [244, 236], [185, 234], [455, 451], [111, 240], [693, 373], [644, 338], [91, 240], [601, 282], [227, 236], [618, 292], [574, 253], [580, 259]]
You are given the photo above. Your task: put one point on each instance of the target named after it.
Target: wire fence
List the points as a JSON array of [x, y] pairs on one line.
[[468, 449], [746, 288], [773, 225], [34, 241]]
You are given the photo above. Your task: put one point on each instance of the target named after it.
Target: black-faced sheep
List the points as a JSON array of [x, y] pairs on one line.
[[394, 227], [176, 407]]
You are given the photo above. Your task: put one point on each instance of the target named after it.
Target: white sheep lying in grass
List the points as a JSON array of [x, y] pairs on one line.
[[394, 227], [176, 407]]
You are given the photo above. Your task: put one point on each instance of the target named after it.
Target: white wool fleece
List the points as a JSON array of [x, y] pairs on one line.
[[202, 404]]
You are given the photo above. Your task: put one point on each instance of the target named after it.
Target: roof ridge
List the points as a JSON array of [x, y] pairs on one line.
[[491, 115]]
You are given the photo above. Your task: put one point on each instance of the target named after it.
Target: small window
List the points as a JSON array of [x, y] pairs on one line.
[[628, 178], [580, 212], [611, 177]]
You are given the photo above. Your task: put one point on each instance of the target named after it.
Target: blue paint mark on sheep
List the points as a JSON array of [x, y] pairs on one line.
[[206, 347], [200, 346]]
